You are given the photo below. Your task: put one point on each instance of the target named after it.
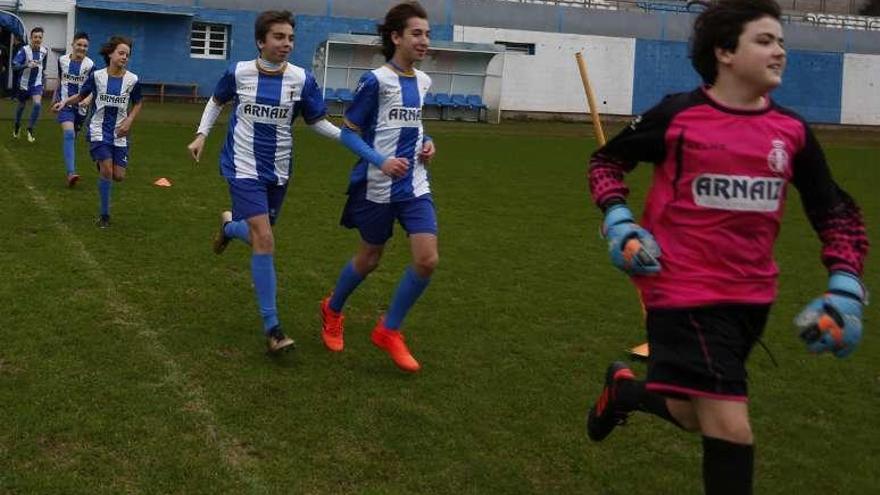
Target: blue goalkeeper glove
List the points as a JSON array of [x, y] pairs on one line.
[[833, 322], [632, 248]]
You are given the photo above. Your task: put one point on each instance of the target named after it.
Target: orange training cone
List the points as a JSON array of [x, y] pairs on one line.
[[640, 351], [162, 182]]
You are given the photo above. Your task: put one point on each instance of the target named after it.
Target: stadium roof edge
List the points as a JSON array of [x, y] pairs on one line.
[[147, 8]]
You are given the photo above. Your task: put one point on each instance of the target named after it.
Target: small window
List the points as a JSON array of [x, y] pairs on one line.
[[209, 41], [513, 47]]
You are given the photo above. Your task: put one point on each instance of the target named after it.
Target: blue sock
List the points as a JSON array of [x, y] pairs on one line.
[[263, 275], [18, 113], [348, 281], [238, 229], [35, 114], [104, 192], [69, 150], [408, 291]]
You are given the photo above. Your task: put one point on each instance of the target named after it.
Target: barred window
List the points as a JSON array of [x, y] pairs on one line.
[[209, 40], [524, 48]]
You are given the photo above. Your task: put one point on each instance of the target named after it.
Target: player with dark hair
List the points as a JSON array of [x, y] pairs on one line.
[[383, 126], [267, 93], [73, 70], [30, 63], [702, 256], [114, 89]]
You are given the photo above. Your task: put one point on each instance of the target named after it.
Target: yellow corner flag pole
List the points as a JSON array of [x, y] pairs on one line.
[[591, 99], [641, 350]]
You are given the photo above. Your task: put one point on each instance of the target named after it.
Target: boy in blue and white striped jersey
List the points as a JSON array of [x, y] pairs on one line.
[[74, 69], [30, 61], [267, 94], [114, 89]]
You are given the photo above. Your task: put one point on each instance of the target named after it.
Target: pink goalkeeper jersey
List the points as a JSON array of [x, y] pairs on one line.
[[717, 197]]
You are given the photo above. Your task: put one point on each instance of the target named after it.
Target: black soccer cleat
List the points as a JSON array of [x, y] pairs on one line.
[[607, 413], [276, 341], [103, 222]]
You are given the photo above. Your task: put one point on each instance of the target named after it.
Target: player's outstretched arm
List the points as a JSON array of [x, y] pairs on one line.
[[326, 128], [391, 166], [832, 322], [209, 117]]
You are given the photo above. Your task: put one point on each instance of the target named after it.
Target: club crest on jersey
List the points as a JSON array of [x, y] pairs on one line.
[[404, 116], [777, 159], [738, 192], [269, 114]]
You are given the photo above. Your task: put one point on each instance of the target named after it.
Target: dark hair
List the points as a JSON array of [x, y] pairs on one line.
[[111, 44], [266, 19], [719, 26], [37, 29], [81, 35], [395, 22]]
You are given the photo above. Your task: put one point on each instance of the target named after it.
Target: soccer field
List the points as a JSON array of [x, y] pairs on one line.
[[131, 359]]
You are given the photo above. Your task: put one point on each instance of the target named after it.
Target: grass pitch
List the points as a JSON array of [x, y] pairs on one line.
[[131, 359]]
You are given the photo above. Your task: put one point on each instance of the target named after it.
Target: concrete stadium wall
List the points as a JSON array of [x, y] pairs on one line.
[[549, 81], [861, 87]]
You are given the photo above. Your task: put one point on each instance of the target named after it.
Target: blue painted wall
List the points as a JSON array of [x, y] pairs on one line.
[[661, 68], [812, 86], [161, 43]]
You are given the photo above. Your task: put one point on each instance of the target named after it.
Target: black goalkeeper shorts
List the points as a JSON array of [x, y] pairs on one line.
[[702, 351]]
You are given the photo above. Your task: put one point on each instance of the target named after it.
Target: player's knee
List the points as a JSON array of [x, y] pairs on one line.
[[736, 430], [368, 261], [262, 240], [426, 263]]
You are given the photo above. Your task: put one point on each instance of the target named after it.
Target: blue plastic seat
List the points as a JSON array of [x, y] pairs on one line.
[[329, 94], [429, 100], [344, 95], [443, 100], [475, 101], [459, 101]]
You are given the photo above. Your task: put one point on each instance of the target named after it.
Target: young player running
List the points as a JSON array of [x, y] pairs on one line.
[[114, 89], [30, 61], [723, 155], [268, 93], [73, 70], [383, 127]]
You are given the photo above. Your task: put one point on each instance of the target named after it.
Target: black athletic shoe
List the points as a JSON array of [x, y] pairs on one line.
[[606, 413], [276, 341], [103, 222]]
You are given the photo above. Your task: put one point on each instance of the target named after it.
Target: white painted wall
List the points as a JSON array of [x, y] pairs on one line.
[[549, 80], [860, 102], [57, 18]]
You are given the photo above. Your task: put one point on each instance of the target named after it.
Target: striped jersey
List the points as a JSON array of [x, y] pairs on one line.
[[73, 74], [387, 111], [259, 140], [31, 77], [112, 95]]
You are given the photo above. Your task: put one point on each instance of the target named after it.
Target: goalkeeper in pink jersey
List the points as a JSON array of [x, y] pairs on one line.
[[723, 155]]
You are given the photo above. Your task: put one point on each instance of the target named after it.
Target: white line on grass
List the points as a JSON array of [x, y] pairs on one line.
[[196, 403]]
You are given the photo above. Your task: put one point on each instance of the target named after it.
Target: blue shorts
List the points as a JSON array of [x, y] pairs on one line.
[[375, 221], [25, 94], [252, 197], [101, 151], [72, 114]]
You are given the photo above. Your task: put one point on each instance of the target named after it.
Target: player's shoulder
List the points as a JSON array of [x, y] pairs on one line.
[[422, 76], [787, 112], [131, 76], [44, 50], [675, 103], [65, 58]]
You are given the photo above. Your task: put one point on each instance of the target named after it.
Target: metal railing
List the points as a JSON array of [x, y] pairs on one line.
[[795, 7]]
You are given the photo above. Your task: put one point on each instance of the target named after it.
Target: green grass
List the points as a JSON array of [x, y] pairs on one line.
[[131, 359]]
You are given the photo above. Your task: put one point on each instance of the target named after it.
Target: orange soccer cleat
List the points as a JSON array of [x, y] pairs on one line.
[[333, 327], [391, 341]]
